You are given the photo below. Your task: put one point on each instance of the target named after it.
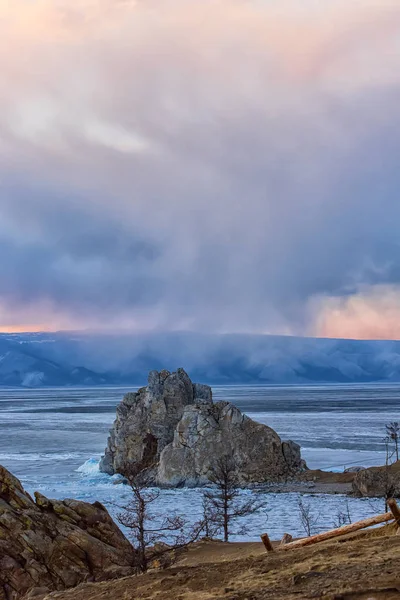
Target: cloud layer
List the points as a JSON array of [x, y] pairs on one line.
[[221, 166]]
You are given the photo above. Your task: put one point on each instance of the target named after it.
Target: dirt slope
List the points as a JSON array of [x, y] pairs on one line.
[[360, 567]]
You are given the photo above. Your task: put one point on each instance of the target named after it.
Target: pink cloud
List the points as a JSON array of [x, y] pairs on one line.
[[370, 314]]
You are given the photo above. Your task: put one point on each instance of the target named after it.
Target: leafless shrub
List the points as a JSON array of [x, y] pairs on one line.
[[153, 540], [308, 518], [343, 517]]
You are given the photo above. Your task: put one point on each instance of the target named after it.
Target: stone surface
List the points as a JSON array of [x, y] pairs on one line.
[[146, 421], [378, 481], [356, 469], [52, 545], [173, 429]]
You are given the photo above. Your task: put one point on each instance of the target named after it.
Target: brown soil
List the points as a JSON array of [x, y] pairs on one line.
[[358, 567]]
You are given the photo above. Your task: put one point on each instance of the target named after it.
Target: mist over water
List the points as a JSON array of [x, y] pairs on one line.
[[52, 440]]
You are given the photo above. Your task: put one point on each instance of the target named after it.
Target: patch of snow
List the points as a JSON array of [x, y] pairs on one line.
[[33, 379]]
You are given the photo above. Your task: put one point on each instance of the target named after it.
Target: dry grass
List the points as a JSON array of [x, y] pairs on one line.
[[360, 567]]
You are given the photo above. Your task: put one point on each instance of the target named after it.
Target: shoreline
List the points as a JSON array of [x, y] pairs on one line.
[[303, 487], [311, 481], [314, 482]]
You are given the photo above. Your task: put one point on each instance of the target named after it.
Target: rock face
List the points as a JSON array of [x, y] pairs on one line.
[[53, 545], [378, 481], [356, 469], [173, 429]]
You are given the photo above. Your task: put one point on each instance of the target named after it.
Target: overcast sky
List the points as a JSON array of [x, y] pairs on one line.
[[212, 165]]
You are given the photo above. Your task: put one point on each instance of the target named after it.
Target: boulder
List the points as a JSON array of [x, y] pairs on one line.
[[52, 545], [378, 481], [356, 469], [174, 431]]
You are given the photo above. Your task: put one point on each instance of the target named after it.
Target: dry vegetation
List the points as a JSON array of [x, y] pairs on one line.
[[360, 567]]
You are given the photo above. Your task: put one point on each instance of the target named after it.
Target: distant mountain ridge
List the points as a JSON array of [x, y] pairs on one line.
[[21, 366], [80, 358]]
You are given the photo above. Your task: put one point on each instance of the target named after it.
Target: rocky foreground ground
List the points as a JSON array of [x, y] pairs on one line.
[[49, 545], [52, 545], [361, 567]]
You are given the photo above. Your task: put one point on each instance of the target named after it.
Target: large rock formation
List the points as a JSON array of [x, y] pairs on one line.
[[52, 545], [173, 429]]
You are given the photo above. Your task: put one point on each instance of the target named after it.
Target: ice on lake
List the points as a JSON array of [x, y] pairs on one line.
[[53, 439]]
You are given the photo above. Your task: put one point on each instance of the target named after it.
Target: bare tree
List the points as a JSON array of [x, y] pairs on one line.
[[393, 432], [210, 519], [343, 517], [223, 502], [151, 535], [307, 517], [389, 488]]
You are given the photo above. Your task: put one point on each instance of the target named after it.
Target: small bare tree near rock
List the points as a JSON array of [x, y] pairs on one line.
[[393, 433], [153, 538], [223, 504], [308, 518], [343, 517]]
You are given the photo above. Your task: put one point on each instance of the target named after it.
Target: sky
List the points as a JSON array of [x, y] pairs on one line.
[[220, 166]]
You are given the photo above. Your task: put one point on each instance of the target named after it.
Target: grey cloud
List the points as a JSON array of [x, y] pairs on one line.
[[79, 259], [254, 192]]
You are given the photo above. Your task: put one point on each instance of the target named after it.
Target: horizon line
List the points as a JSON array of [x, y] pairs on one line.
[[186, 331]]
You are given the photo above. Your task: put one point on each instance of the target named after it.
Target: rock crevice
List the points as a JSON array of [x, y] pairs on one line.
[[189, 432]]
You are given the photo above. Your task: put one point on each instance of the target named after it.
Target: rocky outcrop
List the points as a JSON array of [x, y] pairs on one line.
[[173, 429], [356, 469], [378, 481], [52, 545]]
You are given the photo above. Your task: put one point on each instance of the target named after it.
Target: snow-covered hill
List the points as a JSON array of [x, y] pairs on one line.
[[20, 365], [70, 358]]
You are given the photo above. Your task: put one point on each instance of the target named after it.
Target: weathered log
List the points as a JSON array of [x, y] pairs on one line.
[[394, 510], [322, 537], [267, 542], [287, 538]]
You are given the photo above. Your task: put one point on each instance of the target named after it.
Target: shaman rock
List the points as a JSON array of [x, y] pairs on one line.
[[146, 421], [174, 431], [53, 545], [209, 431]]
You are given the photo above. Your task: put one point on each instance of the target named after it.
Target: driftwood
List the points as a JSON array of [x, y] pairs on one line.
[[345, 529], [328, 535]]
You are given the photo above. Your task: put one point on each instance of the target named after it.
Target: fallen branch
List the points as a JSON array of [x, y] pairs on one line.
[[322, 537]]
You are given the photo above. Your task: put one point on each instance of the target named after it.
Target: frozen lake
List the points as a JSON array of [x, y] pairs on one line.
[[52, 440]]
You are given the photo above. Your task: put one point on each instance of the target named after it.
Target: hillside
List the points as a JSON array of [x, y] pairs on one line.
[[84, 358], [356, 568], [22, 366]]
